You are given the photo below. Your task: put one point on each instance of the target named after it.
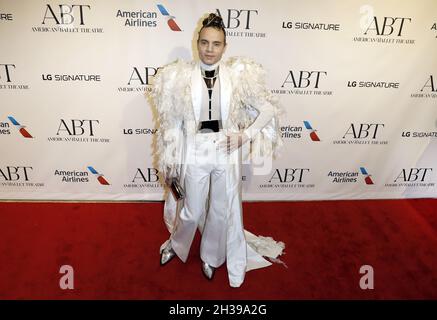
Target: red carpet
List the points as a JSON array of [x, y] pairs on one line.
[[113, 248]]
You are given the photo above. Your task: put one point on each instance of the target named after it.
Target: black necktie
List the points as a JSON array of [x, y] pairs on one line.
[[209, 77]]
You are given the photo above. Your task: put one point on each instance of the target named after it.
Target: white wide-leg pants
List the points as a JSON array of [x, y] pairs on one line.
[[213, 187]]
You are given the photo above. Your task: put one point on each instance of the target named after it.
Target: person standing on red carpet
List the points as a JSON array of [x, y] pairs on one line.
[[207, 110]]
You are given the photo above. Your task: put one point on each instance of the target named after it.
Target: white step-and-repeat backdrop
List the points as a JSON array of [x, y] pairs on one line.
[[357, 79]]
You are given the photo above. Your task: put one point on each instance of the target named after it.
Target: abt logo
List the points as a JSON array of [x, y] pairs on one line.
[[151, 175], [387, 27], [363, 131], [11, 173], [289, 175], [304, 79], [430, 84], [413, 175], [76, 127], [6, 74], [64, 14], [143, 77], [233, 18]]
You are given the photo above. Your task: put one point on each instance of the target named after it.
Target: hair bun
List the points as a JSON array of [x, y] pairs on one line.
[[213, 20]]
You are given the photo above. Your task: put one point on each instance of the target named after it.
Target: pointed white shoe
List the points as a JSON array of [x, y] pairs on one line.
[[208, 271], [167, 254]]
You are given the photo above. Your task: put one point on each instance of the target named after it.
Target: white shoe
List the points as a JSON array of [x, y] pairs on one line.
[[167, 254], [208, 271]]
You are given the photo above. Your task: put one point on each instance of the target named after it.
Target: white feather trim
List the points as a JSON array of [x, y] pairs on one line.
[[171, 96]]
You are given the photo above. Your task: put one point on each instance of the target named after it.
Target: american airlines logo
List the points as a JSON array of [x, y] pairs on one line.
[[171, 20], [100, 177], [20, 128]]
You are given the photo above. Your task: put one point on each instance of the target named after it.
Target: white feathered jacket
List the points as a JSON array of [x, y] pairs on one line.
[[176, 95]]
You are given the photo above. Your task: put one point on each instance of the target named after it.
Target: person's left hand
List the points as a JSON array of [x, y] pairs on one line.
[[233, 141]]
